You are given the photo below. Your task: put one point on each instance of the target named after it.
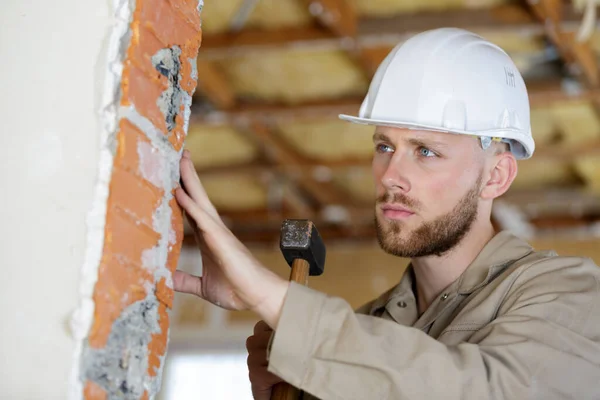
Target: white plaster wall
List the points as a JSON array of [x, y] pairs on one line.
[[51, 56]]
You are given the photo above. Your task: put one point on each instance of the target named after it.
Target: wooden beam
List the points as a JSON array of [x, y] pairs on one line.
[[284, 155], [308, 165], [215, 86], [551, 14], [245, 113], [558, 152], [297, 203], [339, 16], [541, 94], [552, 203], [381, 32]]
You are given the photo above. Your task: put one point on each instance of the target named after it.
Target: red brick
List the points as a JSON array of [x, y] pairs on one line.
[[119, 285], [158, 344], [136, 196], [128, 139], [126, 239], [148, 165], [143, 92], [168, 26], [92, 391], [140, 53], [189, 10]]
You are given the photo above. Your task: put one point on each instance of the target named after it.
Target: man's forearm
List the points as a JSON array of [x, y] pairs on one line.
[[270, 307]]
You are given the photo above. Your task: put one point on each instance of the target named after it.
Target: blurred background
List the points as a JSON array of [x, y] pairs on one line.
[[267, 143]]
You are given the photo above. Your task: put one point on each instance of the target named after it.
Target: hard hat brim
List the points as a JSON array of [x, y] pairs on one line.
[[526, 143]]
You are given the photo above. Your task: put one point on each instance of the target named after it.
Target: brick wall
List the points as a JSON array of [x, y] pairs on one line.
[[122, 356]]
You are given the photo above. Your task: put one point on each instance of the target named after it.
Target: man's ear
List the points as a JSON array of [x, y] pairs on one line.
[[503, 170]]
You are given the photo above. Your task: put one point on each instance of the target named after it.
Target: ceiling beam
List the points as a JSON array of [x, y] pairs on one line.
[[551, 14], [556, 152], [541, 94], [380, 32], [215, 86], [283, 155], [340, 17]]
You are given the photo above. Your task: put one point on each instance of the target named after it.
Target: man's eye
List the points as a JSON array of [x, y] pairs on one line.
[[383, 148], [425, 152]]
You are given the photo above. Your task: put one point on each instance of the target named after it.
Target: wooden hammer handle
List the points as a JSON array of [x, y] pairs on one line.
[[283, 390]]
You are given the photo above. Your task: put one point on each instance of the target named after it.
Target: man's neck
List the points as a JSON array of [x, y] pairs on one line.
[[433, 274]]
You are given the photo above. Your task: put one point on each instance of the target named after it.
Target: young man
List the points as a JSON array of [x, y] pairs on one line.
[[478, 314]]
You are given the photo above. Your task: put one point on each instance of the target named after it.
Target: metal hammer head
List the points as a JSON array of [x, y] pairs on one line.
[[300, 239]]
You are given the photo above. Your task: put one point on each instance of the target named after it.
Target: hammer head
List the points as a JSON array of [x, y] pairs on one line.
[[300, 239]]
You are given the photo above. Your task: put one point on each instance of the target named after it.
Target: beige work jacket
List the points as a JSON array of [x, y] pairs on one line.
[[517, 324]]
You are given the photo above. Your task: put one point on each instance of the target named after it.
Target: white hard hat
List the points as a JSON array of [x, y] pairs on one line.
[[451, 80]]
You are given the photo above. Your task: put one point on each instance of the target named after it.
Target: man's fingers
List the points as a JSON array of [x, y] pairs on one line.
[[195, 212], [193, 187], [257, 358], [187, 283], [209, 229]]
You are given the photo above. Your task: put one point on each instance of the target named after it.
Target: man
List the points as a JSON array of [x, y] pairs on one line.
[[477, 314]]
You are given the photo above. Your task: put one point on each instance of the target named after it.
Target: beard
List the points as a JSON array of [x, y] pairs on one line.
[[435, 237]]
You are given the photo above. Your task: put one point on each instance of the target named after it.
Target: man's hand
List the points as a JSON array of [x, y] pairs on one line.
[[261, 379], [231, 277]]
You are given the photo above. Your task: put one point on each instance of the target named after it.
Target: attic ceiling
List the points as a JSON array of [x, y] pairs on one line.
[[274, 75]]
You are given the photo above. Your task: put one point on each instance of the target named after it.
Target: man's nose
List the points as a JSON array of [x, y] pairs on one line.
[[395, 178]]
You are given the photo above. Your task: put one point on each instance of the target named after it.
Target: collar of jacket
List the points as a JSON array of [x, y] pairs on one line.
[[500, 252]]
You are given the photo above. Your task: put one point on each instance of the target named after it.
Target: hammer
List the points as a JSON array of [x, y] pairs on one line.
[[304, 251]]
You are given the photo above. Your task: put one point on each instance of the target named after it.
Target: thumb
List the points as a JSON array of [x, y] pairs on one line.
[[187, 283]]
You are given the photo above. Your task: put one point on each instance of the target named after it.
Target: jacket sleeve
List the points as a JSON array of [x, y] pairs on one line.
[[545, 345]]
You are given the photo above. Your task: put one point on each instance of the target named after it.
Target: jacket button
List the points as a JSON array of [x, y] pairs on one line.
[[401, 304], [444, 296]]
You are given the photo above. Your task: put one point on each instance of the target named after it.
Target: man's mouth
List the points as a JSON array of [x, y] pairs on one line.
[[396, 212]]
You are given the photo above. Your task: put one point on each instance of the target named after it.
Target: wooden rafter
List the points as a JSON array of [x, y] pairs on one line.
[[380, 32], [340, 17], [540, 94], [215, 86], [558, 153], [285, 156], [552, 15]]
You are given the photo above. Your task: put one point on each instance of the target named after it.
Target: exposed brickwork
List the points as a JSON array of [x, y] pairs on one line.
[[144, 223], [142, 92]]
